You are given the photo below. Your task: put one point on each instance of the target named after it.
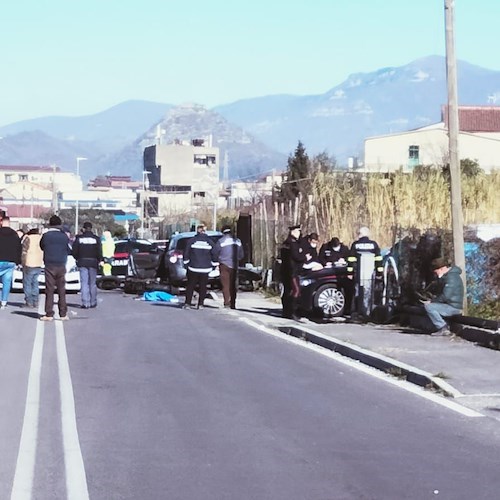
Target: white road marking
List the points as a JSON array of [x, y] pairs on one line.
[[76, 480], [407, 386], [22, 486]]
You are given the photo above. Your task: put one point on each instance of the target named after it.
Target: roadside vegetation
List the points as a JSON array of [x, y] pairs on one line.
[[410, 207]]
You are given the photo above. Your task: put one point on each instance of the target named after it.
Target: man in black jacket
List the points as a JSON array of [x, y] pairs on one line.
[[199, 262], [10, 255], [292, 260], [87, 250], [55, 246]]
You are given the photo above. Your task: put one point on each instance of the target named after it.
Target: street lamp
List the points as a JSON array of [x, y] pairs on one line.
[[145, 184], [78, 160]]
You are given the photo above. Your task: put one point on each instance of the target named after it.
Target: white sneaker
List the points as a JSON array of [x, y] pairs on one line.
[[3, 305]]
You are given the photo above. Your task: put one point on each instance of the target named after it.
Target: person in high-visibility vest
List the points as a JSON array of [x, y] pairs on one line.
[[108, 252], [365, 265]]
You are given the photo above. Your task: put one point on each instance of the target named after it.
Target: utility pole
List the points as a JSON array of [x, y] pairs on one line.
[[78, 160], [453, 132]]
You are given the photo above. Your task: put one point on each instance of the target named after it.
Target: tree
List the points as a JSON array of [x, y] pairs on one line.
[[100, 219], [298, 173], [322, 163]]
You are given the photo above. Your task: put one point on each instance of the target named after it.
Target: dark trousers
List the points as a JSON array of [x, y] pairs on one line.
[[55, 280], [348, 287], [291, 297], [193, 279], [228, 281]]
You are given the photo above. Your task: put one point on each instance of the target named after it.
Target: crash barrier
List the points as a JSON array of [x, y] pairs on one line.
[[484, 332]]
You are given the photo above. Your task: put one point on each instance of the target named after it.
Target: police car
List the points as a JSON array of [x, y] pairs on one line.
[[146, 252]]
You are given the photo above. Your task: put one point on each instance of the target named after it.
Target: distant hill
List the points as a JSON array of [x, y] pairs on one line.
[[246, 156], [120, 124], [60, 139], [38, 148], [258, 134]]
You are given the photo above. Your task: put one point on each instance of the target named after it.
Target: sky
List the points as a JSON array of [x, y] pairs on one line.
[[80, 57]]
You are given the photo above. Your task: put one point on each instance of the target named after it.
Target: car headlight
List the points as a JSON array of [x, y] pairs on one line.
[[73, 269], [305, 282]]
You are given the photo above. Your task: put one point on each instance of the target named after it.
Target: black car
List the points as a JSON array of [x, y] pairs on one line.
[[171, 268], [145, 254], [321, 292]]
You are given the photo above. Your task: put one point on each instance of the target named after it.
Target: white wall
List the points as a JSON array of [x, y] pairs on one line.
[[390, 152]]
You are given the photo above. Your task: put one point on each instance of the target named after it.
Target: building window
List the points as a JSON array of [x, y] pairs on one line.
[[413, 153], [23, 177], [9, 178], [199, 194], [204, 159]]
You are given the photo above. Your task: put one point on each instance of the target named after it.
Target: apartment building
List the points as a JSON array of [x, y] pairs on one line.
[[181, 177]]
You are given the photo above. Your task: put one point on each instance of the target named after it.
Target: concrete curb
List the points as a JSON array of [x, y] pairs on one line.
[[369, 358]]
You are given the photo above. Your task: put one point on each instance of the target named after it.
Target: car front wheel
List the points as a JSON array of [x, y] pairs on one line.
[[329, 300]]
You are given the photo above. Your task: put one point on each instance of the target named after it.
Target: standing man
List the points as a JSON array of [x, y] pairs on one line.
[[87, 251], [228, 251], [32, 261], [55, 246], [366, 263], [292, 260], [199, 262], [10, 256], [449, 300]]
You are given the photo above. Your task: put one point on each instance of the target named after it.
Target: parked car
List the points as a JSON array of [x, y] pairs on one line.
[[171, 268], [321, 292], [72, 277]]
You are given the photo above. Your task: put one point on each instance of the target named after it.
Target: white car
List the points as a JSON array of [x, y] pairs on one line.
[[72, 277]]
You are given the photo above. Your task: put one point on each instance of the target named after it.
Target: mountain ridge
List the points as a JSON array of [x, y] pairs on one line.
[[259, 133]]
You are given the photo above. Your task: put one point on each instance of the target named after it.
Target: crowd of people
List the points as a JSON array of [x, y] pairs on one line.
[[49, 250], [355, 266], [358, 269]]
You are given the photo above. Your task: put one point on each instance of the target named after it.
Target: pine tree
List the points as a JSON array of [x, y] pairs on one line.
[[298, 173]]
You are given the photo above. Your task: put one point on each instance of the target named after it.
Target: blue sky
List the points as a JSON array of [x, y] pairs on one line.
[[79, 57]]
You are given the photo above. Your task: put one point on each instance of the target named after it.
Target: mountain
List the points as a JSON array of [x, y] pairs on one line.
[[385, 101], [246, 157], [257, 134], [117, 125], [38, 148], [61, 139]]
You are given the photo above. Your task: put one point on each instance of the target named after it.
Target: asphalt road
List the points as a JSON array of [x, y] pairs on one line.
[[145, 401]]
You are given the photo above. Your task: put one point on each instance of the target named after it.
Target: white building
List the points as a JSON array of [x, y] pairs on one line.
[[479, 140], [28, 191], [100, 199]]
